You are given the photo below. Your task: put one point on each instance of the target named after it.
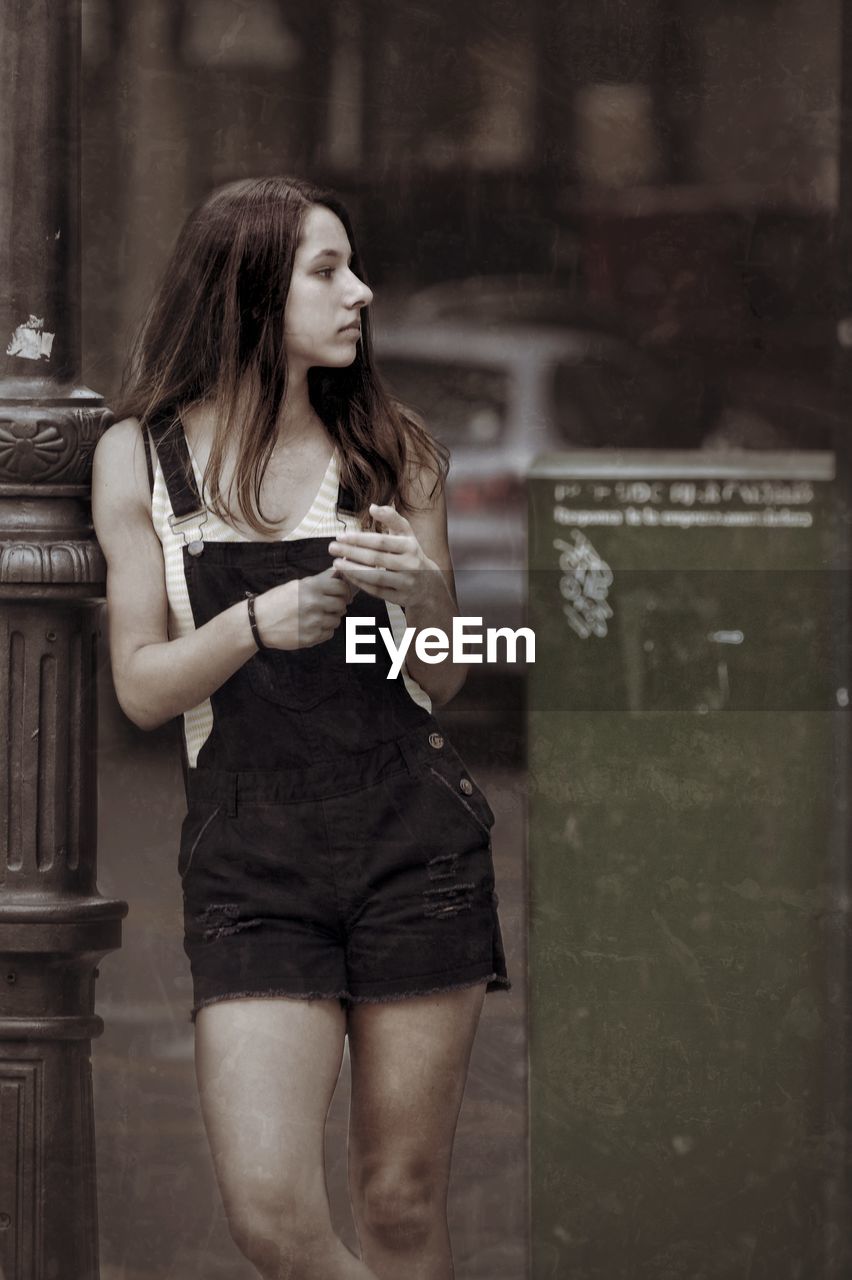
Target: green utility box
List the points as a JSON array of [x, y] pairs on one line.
[[688, 867]]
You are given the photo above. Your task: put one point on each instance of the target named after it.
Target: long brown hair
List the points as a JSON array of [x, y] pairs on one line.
[[215, 331]]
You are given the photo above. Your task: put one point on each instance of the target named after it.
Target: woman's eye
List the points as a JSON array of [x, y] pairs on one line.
[[326, 271]]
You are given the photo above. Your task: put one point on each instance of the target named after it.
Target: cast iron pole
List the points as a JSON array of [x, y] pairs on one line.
[[54, 926]]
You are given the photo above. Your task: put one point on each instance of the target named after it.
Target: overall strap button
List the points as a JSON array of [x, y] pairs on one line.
[[466, 786], [436, 741]]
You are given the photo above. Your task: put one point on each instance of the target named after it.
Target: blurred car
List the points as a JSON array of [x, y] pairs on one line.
[[519, 299], [498, 394]]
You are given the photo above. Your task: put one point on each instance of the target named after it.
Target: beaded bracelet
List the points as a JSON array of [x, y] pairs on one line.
[[250, 599]]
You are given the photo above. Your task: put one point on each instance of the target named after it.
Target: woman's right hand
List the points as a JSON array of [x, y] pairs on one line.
[[304, 612]]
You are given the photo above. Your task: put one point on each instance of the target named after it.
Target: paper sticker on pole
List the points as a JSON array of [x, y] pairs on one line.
[[29, 341]]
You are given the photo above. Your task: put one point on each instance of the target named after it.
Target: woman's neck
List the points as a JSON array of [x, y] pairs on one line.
[[297, 417]]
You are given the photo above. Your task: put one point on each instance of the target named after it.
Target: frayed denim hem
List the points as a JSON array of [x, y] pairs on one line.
[[266, 995], [495, 981]]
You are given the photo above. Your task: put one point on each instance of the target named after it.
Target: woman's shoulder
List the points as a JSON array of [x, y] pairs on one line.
[[118, 462], [121, 436]]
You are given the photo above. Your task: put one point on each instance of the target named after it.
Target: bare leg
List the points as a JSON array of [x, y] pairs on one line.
[[266, 1072], [409, 1066]]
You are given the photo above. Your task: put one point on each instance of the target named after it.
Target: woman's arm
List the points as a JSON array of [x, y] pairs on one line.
[[411, 566], [157, 678]]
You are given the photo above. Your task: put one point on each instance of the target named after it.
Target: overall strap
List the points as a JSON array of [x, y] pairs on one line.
[[188, 511], [345, 501], [147, 447], [170, 442]]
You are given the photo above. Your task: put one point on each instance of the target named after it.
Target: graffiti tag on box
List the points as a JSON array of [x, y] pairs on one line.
[[584, 585]]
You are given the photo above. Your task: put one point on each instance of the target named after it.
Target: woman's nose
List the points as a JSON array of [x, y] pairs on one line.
[[361, 295]]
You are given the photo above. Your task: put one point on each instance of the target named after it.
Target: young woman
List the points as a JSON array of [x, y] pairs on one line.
[[335, 858]]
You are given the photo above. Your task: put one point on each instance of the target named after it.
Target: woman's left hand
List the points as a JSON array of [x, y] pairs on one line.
[[392, 565]]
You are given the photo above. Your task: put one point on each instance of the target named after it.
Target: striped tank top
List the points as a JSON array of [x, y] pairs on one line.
[[321, 521]]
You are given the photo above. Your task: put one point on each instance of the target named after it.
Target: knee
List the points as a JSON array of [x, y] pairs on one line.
[[280, 1238], [399, 1204]]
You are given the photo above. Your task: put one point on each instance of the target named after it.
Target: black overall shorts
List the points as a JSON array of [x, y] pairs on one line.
[[335, 844]]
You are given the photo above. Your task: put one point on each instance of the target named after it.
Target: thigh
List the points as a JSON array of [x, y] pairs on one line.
[[409, 1060], [266, 1072]]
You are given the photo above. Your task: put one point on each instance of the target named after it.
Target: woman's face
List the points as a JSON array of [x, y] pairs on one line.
[[322, 315]]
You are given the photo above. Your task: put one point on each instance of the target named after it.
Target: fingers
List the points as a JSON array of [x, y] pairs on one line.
[[360, 557], [332, 583], [377, 550], [322, 623], [366, 574], [376, 580], [329, 594], [390, 518], [389, 581], [328, 580], [373, 547], [393, 543]]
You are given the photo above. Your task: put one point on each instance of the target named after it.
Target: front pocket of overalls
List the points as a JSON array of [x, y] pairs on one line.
[[449, 774], [296, 678], [194, 826]]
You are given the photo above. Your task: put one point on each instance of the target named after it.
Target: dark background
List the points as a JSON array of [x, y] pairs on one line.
[[673, 163], [671, 169]]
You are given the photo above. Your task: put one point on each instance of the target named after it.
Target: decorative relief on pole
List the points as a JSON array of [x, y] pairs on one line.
[[46, 540], [48, 755], [54, 563], [27, 448], [40, 444]]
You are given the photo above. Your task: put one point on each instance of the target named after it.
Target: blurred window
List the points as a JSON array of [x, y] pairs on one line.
[[460, 404], [218, 33], [603, 403]]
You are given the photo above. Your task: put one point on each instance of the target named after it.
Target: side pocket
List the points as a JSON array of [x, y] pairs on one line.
[[474, 805], [190, 837]]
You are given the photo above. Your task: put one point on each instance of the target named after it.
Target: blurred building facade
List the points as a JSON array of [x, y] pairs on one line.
[[675, 160]]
